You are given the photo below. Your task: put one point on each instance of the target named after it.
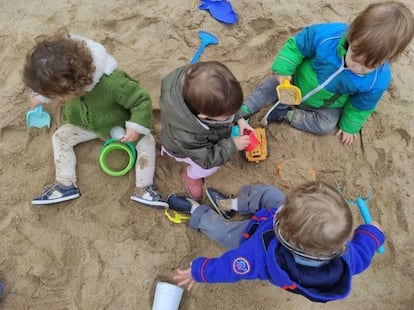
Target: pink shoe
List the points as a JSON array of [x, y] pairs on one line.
[[194, 187]]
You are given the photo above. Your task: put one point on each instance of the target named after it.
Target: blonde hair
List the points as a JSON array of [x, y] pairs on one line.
[[315, 219], [58, 65], [381, 32]]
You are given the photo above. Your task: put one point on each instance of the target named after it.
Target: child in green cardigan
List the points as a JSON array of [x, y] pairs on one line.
[[97, 98]]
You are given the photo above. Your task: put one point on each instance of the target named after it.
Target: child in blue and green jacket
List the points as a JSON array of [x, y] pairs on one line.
[[304, 243], [342, 71]]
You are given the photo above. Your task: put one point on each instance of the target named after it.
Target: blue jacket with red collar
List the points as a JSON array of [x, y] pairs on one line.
[[261, 256]]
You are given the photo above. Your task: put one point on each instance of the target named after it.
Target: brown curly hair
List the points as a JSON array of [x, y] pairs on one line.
[[58, 65]]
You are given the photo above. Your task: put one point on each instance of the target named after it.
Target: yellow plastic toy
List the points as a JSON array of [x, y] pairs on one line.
[[175, 217], [288, 93], [259, 153]]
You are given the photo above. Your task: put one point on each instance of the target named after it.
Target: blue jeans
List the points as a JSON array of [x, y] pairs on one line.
[[320, 121], [229, 233]]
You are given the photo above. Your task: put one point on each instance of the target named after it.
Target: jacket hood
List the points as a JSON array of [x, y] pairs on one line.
[[172, 86], [104, 62], [336, 277]]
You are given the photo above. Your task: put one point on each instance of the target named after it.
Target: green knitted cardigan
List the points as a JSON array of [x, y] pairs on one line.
[[115, 99]]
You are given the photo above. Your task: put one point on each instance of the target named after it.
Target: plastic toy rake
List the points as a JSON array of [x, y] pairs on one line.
[[206, 38], [361, 203], [175, 217]]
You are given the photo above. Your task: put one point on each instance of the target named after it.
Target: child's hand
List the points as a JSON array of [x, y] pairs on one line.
[[244, 125], [280, 78], [34, 102], [241, 142], [346, 138], [130, 135], [183, 277]]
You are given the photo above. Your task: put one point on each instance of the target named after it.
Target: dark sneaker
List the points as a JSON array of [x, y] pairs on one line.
[[276, 114], [57, 193], [220, 202], [149, 196], [180, 203]]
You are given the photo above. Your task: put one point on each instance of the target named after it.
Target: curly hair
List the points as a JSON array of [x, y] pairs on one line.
[[58, 65], [315, 219]]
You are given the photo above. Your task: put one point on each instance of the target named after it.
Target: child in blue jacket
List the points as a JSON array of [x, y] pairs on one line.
[[304, 243], [342, 71]]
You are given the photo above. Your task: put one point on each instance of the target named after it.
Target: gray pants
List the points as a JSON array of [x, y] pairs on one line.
[[320, 121], [229, 233]]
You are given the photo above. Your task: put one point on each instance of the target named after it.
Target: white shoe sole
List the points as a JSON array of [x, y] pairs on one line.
[[156, 204], [52, 201]]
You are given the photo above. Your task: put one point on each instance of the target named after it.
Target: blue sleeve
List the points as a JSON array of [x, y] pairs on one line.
[[304, 45], [361, 250], [305, 41], [247, 262]]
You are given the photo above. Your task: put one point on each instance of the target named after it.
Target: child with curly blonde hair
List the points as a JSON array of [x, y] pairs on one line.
[[303, 243]]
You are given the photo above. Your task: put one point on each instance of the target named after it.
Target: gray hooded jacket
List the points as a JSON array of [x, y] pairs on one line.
[[184, 135]]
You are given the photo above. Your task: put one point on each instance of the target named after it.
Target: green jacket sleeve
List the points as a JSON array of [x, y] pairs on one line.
[[288, 59], [136, 99], [352, 119]]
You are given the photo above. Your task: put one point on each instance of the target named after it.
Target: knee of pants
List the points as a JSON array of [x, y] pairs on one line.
[[56, 136], [326, 129], [317, 128], [62, 136]]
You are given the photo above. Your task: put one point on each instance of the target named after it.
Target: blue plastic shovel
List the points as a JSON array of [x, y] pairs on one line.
[[366, 215], [207, 38], [37, 118], [361, 203]]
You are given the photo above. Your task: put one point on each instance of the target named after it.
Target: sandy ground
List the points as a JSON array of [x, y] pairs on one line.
[[103, 251]]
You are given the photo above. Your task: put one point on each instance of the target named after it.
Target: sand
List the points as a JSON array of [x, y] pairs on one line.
[[103, 251]]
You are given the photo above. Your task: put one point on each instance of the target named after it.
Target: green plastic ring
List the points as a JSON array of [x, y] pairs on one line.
[[111, 145]]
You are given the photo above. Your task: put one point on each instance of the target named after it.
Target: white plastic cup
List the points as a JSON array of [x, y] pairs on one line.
[[117, 133], [167, 296]]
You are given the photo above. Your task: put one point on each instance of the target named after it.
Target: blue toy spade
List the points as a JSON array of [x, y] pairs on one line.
[[366, 215], [37, 118], [207, 38], [361, 203]]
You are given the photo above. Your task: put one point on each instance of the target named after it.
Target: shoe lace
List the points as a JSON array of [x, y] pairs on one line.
[[153, 191], [48, 189]]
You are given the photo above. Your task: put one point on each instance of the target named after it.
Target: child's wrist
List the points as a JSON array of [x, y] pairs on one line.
[[33, 93], [244, 108]]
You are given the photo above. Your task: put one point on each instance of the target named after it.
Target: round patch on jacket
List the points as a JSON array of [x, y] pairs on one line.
[[241, 265]]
